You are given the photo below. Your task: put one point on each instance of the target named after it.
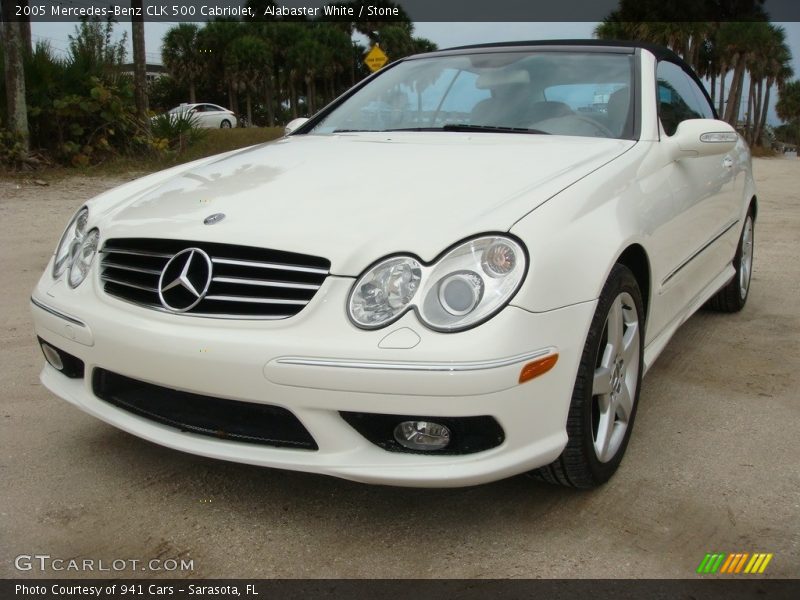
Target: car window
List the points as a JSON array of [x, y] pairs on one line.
[[679, 98], [562, 93], [212, 108]]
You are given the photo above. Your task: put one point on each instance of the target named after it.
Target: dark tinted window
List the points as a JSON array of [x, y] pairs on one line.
[[679, 98]]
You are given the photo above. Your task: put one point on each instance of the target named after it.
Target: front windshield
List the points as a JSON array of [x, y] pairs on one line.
[[547, 92]]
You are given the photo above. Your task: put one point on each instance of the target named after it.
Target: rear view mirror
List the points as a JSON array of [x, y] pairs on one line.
[[702, 137]]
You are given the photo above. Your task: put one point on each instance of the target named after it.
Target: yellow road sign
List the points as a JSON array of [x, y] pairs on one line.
[[375, 58]]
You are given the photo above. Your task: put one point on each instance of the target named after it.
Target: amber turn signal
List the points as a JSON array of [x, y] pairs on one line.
[[537, 367]]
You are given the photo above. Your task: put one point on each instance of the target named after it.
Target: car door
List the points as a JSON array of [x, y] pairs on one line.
[[198, 115], [691, 240], [214, 114]]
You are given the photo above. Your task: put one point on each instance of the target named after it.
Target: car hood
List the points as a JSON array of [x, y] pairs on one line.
[[353, 198]]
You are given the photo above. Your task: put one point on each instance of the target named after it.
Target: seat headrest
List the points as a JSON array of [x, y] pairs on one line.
[[499, 77]]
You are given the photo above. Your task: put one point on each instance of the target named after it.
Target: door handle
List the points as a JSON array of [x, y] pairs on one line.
[[727, 162]]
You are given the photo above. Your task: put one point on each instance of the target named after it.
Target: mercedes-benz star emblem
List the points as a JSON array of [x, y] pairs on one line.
[[215, 218], [184, 280]]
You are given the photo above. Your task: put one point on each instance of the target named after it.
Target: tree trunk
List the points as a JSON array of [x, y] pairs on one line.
[[25, 29], [759, 96], [139, 64], [309, 96], [764, 108], [192, 94], [293, 96], [13, 52], [721, 110], [269, 102], [249, 102], [739, 96], [713, 89], [735, 95], [751, 92]]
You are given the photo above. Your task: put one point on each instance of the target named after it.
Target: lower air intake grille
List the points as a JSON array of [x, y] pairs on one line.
[[216, 417], [238, 281]]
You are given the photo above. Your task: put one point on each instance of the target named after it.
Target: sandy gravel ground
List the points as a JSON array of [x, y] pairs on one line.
[[712, 465]]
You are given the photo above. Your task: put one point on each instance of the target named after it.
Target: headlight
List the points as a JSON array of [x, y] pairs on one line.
[[469, 284], [70, 242], [83, 258], [384, 292]]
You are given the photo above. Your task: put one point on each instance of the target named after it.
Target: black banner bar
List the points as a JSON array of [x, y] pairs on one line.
[[744, 587], [388, 10]]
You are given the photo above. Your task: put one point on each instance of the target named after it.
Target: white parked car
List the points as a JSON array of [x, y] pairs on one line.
[[464, 287], [208, 115]]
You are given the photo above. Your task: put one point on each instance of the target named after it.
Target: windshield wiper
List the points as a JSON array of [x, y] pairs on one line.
[[358, 130], [491, 129], [465, 127]]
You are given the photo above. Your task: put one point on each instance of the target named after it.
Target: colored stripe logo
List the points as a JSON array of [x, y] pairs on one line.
[[734, 563]]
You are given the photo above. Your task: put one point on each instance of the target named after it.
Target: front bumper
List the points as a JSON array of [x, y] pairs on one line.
[[317, 364]]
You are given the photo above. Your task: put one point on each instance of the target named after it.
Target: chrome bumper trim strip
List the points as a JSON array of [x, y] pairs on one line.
[[379, 365], [56, 313]]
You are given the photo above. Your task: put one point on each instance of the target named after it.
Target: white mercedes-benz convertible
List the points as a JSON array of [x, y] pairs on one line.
[[458, 271]]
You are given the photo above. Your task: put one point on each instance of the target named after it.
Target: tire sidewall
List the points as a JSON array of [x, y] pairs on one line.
[[738, 259], [620, 280]]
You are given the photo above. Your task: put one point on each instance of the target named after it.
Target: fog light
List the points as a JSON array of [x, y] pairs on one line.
[[53, 357], [422, 435]]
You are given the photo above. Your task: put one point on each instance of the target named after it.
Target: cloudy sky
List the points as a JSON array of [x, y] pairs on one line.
[[443, 34]]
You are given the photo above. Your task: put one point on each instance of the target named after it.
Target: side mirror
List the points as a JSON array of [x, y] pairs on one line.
[[702, 137], [294, 125]]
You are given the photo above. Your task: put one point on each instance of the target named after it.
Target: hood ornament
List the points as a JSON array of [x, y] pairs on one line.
[[213, 219]]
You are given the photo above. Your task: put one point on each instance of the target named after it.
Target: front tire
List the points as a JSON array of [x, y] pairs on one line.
[[225, 124], [733, 296], [606, 391]]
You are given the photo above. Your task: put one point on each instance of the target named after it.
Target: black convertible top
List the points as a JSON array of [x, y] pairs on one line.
[[627, 46]]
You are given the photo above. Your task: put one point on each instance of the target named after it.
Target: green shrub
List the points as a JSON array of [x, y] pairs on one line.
[[97, 125], [12, 149], [175, 131]]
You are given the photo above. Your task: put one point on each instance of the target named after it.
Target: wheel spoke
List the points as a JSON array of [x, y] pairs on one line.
[[630, 343], [605, 430], [615, 325], [602, 381], [624, 404]]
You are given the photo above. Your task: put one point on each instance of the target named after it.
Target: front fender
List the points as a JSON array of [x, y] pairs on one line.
[[575, 238]]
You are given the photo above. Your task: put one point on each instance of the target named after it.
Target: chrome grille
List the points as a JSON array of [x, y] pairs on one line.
[[246, 282]]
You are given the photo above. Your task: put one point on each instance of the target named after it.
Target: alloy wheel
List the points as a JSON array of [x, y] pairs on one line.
[[616, 377], [746, 261]]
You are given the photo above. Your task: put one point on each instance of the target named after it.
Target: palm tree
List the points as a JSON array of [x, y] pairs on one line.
[[788, 105], [336, 57], [306, 58], [181, 57], [213, 41], [777, 71], [246, 62], [611, 29]]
